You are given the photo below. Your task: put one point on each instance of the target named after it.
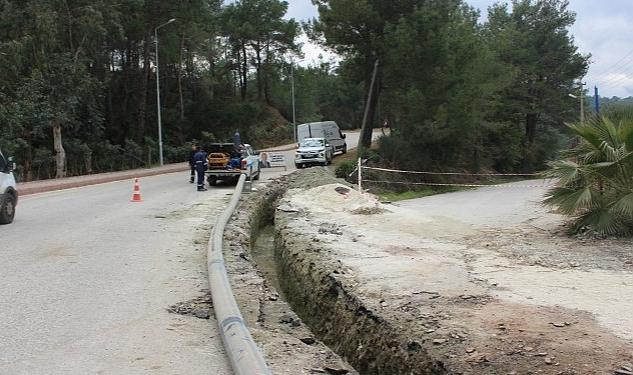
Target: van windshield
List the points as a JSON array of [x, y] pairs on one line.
[[312, 143]]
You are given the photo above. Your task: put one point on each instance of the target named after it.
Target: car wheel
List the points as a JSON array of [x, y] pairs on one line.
[[212, 180], [7, 209], [345, 149], [298, 166]]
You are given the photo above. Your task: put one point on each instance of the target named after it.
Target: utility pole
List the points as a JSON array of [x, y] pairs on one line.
[[160, 125], [370, 96], [582, 103]]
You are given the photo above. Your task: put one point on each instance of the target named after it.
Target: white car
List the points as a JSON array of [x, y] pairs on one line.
[[313, 151], [325, 129], [8, 190]]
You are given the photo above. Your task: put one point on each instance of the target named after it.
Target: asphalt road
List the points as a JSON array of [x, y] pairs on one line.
[[88, 276]]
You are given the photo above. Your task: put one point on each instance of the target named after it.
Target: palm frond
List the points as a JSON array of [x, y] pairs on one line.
[[603, 222], [566, 171], [587, 134], [571, 202], [624, 206], [608, 133]]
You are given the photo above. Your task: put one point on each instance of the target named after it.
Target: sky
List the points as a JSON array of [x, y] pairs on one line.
[[603, 29]]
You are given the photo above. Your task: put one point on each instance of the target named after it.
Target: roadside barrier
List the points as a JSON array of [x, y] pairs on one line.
[[245, 357]]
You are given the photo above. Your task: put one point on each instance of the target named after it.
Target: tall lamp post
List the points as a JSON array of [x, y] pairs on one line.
[[294, 102], [160, 125], [294, 110]]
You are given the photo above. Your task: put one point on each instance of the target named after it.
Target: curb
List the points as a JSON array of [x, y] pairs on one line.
[[44, 186], [243, 353]]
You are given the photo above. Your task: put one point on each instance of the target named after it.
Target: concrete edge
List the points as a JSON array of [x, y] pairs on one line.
[[243, 353], [44, 186]]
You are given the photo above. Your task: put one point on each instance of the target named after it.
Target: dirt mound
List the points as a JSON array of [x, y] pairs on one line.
[[336, 198]]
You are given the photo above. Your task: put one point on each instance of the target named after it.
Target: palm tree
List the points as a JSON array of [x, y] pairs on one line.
[[595, 178]]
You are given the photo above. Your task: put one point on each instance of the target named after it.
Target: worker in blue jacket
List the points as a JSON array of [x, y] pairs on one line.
[[200, 160]]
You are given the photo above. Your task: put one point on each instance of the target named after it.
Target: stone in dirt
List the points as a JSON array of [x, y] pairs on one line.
[[336, 371], [199, 307], [308, 340]]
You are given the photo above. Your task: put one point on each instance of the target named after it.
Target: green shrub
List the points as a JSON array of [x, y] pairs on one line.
[[345, 169]]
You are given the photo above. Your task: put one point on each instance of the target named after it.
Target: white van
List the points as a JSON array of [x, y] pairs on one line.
[[8, 190], [326, 129]]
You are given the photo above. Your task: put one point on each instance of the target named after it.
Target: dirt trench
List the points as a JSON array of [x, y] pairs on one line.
[[288, 344], [419, 327], [321, 299]]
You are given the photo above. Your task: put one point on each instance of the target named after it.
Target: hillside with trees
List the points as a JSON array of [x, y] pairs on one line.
[[78, 86]]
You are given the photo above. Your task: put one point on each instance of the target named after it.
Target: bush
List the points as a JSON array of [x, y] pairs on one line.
[[345, 169]]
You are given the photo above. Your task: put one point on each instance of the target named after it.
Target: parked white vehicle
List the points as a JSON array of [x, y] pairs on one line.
[[8, 190], [326, 129], [313, 151]]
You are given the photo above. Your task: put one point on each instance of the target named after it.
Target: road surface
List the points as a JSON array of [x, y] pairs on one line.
[[88, 276], [506, 205]]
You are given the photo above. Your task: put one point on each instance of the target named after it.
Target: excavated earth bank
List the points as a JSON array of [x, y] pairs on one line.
[[389, 294]]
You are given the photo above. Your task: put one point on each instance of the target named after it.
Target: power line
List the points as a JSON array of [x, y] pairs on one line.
[[617, 63]]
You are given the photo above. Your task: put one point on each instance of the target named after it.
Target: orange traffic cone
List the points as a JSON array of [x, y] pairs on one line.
[[137, 192]]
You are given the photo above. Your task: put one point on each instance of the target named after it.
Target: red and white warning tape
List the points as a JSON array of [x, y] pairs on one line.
[[453, 173], [504, 186]]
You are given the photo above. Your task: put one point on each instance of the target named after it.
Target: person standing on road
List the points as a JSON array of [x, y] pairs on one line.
[[200, 160], [192, 162]]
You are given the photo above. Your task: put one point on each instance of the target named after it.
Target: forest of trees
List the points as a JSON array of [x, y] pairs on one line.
[[78, 90]]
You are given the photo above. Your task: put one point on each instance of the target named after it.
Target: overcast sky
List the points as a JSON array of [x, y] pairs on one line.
[[603, 28]]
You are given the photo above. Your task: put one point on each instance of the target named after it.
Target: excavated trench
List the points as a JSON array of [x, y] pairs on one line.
[[310, 282]]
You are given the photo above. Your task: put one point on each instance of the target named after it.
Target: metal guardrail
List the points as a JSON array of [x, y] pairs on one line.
[[245, 357]]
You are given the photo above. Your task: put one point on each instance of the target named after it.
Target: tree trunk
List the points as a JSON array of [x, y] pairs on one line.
[[258, 57], [28, 156], [60, 153], [88, 161], [530, 128], [267, 76], [179, 75], [366, 136], [530, 134], [142, 109], [244, 72]]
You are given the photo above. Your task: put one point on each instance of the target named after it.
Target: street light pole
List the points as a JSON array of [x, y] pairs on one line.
[[160, 125], [294, 110]]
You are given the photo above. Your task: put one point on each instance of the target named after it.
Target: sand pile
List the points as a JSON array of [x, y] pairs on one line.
[[336, 198]]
